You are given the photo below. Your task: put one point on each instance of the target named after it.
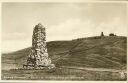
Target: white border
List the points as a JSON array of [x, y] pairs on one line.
[[58, 1], [0, 35], [67, 1]]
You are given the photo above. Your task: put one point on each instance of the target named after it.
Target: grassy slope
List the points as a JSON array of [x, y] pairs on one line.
[[105, 52]]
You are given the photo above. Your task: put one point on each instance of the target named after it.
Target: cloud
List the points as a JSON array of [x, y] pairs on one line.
[[70, 29], [13, 35], [70, 21], [76, 28], [14, 41], [114, 26], [14, 45]]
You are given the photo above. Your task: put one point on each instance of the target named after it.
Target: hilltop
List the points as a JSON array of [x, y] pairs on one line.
[[95, 52]]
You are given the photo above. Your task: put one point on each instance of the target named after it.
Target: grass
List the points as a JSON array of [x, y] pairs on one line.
[[60, 74], [94, 52]]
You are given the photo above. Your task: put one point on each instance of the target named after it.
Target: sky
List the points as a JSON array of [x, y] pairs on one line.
[[63, 21]]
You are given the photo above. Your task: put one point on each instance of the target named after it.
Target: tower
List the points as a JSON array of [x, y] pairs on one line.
[[102, 34], [38, 57]]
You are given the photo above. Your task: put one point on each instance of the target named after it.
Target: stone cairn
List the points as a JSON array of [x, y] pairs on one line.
[[38, 57]]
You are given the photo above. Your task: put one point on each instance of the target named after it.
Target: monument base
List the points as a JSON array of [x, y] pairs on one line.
[[51, 66]]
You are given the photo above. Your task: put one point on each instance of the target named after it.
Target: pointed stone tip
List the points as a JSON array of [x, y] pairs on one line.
[[39, 24]]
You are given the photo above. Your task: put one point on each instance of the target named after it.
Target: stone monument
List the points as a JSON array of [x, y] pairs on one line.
[[38, 57], [102, 34]]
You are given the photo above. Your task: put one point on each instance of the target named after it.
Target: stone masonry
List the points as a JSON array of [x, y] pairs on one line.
[[38, 57]]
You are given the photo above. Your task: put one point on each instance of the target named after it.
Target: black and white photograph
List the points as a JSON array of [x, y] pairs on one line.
[[64, 41]]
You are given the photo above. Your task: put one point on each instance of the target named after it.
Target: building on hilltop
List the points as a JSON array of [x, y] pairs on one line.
[[112, 34]]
